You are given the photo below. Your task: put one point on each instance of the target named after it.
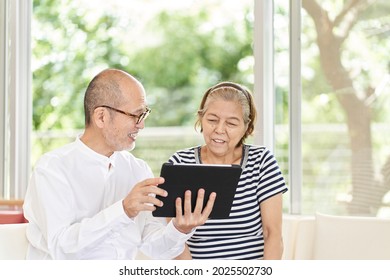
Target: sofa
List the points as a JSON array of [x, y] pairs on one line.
[[318, 237], [330, 237]]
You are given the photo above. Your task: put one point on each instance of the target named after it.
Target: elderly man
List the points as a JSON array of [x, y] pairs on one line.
[[92, 199]]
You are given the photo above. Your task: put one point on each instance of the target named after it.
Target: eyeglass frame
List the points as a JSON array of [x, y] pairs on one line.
[[139, 118]]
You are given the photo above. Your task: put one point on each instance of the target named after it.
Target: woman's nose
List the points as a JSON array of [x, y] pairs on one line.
[[220, 127]]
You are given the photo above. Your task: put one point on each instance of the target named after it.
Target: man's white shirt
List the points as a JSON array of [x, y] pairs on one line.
[[74, 208]]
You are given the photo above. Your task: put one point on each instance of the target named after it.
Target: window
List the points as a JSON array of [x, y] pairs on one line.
[[322, 100], [176, 48], [339, 91]]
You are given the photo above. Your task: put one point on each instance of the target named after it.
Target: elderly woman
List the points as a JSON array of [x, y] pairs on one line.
[[226, 118]]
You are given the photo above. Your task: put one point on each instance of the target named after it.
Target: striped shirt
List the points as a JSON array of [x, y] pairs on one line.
[[241, 235]]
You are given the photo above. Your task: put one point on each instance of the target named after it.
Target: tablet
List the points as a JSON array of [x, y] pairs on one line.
[[222, 179]]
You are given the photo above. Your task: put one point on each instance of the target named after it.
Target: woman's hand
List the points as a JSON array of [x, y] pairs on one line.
[[189, 220]]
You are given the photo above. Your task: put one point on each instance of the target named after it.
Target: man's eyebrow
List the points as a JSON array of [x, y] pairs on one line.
[[141, 109]]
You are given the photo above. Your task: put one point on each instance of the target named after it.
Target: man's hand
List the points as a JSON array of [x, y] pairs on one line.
[[185, 223], [142, 197]]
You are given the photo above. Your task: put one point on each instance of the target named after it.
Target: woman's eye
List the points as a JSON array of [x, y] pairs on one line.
[[212, 120], [230, 124]]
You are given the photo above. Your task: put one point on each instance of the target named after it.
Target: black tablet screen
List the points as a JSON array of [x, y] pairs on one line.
[[222, 179]]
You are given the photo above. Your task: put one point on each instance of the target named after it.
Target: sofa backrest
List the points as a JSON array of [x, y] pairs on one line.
[[351, 238], [13, 241]]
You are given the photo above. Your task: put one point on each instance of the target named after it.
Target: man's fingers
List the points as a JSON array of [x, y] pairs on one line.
[[154, 191], [138, 203], [153, 181], [148, 207], [150, 186], [143, 197], [154, 201]]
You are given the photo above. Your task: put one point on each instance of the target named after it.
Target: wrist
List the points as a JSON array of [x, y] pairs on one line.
[[127, 212], [184, 230]]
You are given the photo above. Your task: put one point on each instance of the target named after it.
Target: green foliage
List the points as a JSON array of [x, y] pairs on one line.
[[184, 61], [363, 54], [67, 51], [70, 45]]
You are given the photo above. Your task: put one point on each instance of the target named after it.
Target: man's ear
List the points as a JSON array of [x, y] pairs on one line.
[[100, 117]]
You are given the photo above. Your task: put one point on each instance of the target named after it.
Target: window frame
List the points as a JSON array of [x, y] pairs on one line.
[[16, 101], [264, 83], [295, 101]]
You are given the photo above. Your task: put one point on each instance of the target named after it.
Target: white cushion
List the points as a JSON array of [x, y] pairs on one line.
[[351, 238], [304, 240], [298, 235], [13, 241], [289, 229]]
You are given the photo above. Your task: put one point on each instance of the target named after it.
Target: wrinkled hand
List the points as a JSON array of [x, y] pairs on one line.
[[185, 223], [142, 197]]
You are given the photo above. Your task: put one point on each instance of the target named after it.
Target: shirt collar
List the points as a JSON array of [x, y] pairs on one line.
[[106, 161]]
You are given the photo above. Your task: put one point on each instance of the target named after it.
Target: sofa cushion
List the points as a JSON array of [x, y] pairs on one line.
[[351, 238]]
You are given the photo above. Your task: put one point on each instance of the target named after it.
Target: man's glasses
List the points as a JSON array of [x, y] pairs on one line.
[[139, 118]]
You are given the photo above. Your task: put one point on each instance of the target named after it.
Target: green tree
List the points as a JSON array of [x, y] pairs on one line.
[[70, 47], [333, 38], [72, 43], [67, 49], [185, 60]]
